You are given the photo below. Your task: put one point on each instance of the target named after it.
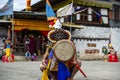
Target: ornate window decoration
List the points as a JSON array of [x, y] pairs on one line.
[[116, 10], [87, 16], [90, 16]]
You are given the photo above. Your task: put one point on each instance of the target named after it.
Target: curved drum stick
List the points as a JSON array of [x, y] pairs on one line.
[[78, 67]]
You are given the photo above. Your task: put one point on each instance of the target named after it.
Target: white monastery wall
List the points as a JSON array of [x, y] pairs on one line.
[[100, 35]]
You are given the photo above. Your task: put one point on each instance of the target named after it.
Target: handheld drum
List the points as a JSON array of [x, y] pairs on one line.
[[64, 50]]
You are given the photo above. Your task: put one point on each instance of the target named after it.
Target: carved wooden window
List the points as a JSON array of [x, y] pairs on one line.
[[95, 17], [82, 16], [91, 16], [110, 14], [88, 15], [66, 19], [61, 19], [116, 9]]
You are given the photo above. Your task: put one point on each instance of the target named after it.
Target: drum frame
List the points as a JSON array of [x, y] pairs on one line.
[[65, 40]]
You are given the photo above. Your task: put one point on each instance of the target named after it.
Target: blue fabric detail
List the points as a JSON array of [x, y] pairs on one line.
[[63, 72], [49, 11], [50, 55], [8, 46], [7, 9]]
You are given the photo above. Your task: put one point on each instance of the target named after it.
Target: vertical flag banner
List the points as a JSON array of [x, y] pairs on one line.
[[49, 11], [99, 16], [51, 16], [8, 33], [66, 10], [7, 9]]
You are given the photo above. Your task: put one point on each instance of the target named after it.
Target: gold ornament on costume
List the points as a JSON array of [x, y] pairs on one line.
[[58, 34]]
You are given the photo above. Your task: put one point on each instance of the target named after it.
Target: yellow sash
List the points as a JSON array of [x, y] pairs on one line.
[[7, 52], [45, 72]]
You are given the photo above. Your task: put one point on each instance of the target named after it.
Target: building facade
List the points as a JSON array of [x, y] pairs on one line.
[[101, 20], [28, 23], [102, 25], [5, 24], [115, 25]]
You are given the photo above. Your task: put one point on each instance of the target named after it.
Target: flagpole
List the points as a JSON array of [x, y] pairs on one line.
[[71, 20], [12, 23], [12, 28]]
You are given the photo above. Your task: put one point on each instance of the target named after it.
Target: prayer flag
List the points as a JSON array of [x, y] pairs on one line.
[[100, 18], [51, 16], [66, 10], [7, 9], [49, 11]]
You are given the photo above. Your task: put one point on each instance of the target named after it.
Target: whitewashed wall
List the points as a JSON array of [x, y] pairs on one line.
[[115, 38], [115, 34], [95, 32], [92, 32]]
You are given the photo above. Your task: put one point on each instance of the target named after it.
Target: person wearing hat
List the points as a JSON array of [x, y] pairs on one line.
[[54, 37], [105, 52], [8, 51]]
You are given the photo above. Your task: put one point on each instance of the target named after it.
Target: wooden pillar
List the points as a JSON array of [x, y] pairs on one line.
[[8, 33]]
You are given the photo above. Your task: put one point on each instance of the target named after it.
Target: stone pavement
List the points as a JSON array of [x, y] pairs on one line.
[[28, 70]]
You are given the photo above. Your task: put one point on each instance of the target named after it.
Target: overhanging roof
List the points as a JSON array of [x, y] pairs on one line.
[[56, 4], [5, 23], [40, 6], [30, 15], [94, 3]]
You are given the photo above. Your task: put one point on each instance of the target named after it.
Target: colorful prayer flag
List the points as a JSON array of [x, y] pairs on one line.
[[51, 16], [66, 10], [49, 11], [100, 19], [99, 16], [7, 9]]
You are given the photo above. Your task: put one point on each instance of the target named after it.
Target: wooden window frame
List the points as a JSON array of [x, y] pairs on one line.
[[84, 18], [116, 10], [95, 21]]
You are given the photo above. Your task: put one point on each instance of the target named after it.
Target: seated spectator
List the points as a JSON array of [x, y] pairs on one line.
[[28, 55], [113, 55], [34, 57]]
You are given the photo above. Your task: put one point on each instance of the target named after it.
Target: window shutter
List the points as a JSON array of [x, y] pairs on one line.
[[110, 15]]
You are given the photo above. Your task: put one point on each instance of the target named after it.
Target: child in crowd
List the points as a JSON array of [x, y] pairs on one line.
[[28, 55]]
